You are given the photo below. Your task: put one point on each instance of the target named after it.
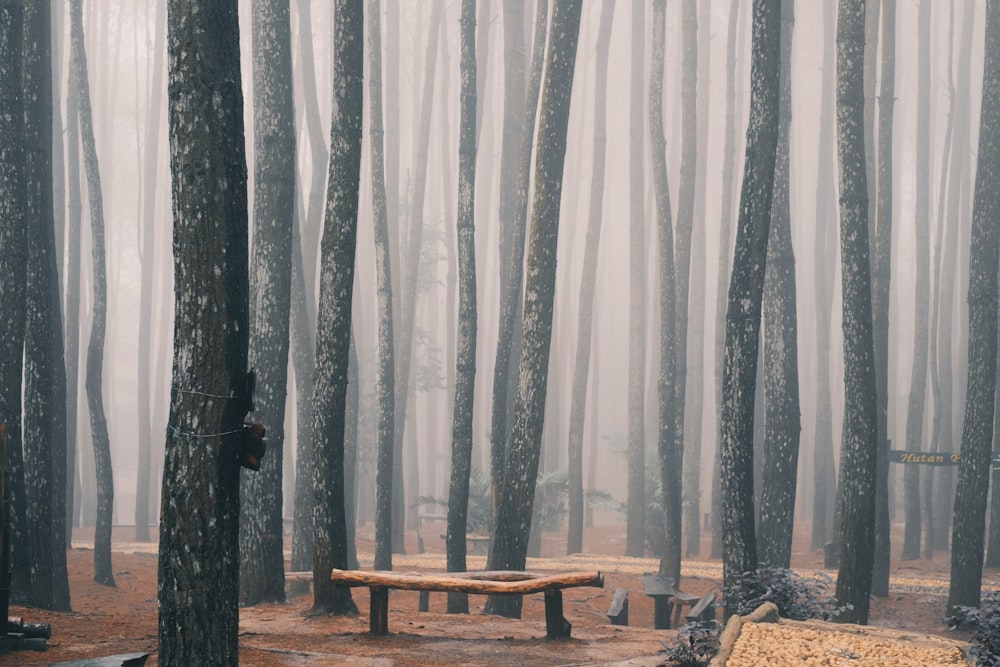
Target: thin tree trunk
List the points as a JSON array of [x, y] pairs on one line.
[[977, 433], [880, 294], [856, 495], [694, 404], [147, 234], [465, 361], [669, 457], [781, 368], [635, 528], [383, 252], [918, 378], [95, 350], [303, 310], [584, 328], [262, 577], [508, 337], [824, 477], [746, 288], [725, 257], [404, 360], [510, 541], [338, 248]]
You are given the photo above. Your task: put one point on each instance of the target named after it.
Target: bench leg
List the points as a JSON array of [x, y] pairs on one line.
[[661, 613], [556, 626], [425, 600], [378, 612]]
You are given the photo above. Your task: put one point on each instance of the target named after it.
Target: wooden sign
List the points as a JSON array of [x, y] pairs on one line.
[[930, 458]]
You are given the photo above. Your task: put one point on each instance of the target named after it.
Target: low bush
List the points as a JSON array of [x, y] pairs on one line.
[[696, 645], [985, 623]]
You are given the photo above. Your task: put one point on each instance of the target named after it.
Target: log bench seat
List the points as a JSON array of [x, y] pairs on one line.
[[479, 583]]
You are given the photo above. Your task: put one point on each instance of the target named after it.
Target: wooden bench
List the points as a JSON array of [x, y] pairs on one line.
[[667, 600], [480, 583], [703, 609]]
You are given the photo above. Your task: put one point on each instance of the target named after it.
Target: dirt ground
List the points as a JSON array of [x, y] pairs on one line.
[[122, 619]]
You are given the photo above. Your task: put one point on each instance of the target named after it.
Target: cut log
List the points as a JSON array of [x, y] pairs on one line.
[[454, 584]]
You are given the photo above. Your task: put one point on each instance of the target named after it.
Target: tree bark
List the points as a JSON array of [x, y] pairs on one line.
[[147, 235], [336, 295], [880, 294], [918, 378], [977, 432], [95, 349], [585, 312], [465, 358], [262, 574], [635, 527], [508, 336], [383, 252], [669, 456], [856, 495], [824, 257], [44, 436], [746, 288], [781, 368], [199, 528], [13, 265], [725, 258], [510, 541]]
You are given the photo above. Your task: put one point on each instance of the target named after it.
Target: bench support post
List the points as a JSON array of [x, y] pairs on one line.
[[378, 612], [556, 626], [661, 612]]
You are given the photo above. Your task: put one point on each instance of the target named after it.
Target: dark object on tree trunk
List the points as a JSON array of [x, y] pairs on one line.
[[120, 660], [252, 445], [618, 611], [482, 583]]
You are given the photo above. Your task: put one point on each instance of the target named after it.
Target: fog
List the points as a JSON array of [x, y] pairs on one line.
[[121, 37]]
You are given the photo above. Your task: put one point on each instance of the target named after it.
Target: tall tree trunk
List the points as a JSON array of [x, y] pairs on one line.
[[918, 378], [514, 81], [824, 257], [404, 358], [262, 574], [510, 540], [635, 527], [508, 336], [95, 349], [694, 404], [44, 436], [669, 456], [746, 289], [383, 252], [199, 527], [147, 234], [882, 265], [856, 493], [13, 265], [977, 432], [725, 256], [303, 309], [336, 295], [465, 361], [584, 327], [682, 267], [781, 366]]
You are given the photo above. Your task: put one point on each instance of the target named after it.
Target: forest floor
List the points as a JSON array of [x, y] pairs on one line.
[[123, 619]]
